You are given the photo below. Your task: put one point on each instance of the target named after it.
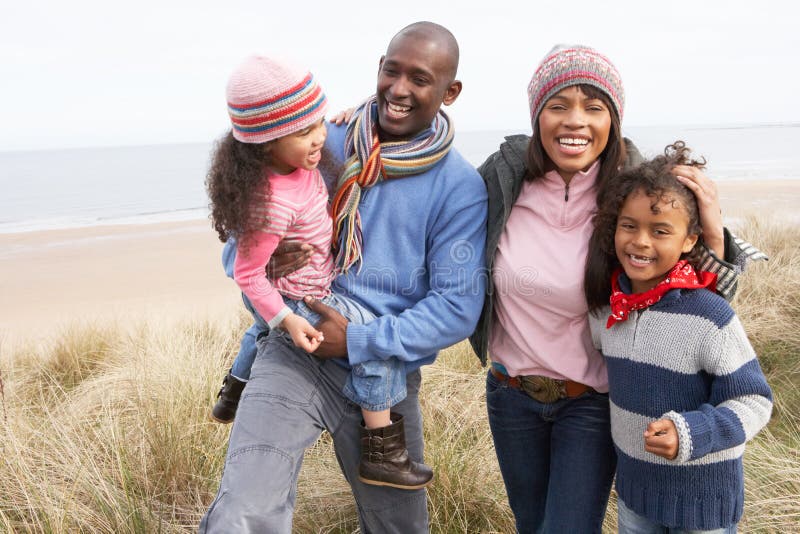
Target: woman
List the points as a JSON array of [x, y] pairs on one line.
[[546, 391]]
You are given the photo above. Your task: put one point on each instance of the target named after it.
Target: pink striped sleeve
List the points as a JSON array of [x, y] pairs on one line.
[[248, 271]]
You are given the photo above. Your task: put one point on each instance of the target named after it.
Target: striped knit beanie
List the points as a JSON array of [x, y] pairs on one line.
[[268, 99], [568, 65]]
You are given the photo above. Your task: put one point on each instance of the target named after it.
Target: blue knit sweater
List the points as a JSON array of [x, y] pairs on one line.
[[686, 358], [423, 261]]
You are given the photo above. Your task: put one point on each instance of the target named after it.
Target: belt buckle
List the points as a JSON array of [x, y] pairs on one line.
[[543, 389]]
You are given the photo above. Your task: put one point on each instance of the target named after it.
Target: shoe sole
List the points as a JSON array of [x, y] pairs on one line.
[[397, 486], [216, 420]]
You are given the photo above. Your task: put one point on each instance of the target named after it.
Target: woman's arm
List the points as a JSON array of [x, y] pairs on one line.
[[726, 255], [738, 253]]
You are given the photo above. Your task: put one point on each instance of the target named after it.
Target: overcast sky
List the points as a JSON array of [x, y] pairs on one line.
[[86, 73]]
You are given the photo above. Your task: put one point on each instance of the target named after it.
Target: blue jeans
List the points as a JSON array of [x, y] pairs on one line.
[[290, 399], [374, 385], [629, 522], [247, 347], [557, 459]]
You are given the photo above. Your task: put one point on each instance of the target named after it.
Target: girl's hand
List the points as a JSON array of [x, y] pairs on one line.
[[705, 191], [343, 117], [303, 334], [661, 438]]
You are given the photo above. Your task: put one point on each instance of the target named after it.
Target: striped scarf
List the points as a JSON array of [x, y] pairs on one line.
[[682, 275], [369, 162]]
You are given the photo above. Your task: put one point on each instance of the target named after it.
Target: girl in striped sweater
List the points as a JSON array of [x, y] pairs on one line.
[[685, 386], [265, 187]]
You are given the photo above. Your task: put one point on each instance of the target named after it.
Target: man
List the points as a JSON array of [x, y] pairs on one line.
[[416, 263]]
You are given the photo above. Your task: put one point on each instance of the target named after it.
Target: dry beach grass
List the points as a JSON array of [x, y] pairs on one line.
[[104, 425]]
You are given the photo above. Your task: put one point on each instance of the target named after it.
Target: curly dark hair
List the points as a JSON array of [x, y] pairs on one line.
[[654, 178], [235, 177], [611, 159], [237, 181]]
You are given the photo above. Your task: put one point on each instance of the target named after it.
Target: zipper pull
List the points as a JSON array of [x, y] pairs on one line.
[[566, 192]]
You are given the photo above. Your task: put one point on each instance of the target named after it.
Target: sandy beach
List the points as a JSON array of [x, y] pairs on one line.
[[764, 199], [50, 279]]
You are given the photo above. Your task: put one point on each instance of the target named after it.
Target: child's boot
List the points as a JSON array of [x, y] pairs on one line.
[[224, 411], [385, 461]]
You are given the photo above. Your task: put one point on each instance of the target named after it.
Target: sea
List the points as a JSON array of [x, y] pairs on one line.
[[70, 188]]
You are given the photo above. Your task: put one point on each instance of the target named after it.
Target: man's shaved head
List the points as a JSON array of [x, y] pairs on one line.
[[434, 33], [415, 78]]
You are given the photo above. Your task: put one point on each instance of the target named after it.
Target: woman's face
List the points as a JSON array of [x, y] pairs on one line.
[[574, 130]]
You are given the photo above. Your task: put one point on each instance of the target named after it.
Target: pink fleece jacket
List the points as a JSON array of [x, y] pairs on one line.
[[542, 326]]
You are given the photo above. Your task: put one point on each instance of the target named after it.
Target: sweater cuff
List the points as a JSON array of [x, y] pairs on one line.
[[359, 338], [684, 437], [727, 273], [275, 321]]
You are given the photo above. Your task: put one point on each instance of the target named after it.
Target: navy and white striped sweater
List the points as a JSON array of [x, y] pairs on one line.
[[686, 358]]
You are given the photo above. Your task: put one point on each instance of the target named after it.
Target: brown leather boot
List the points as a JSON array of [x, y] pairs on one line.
[[385, 461], [224, 411]]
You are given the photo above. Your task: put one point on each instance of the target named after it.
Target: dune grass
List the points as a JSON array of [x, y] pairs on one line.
[[105, 427]]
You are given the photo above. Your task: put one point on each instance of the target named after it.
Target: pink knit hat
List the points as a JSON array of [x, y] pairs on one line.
[[268, 99], [568, 65]]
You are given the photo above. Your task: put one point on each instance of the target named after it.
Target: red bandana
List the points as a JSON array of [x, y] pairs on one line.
[[681, 276]]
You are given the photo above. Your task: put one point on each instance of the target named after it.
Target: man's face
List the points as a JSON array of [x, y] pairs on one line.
[[414, 78]]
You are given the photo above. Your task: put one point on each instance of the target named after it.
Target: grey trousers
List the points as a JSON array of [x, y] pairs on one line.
[[290, 399]]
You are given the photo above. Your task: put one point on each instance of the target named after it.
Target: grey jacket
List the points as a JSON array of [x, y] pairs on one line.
[[504, 173]]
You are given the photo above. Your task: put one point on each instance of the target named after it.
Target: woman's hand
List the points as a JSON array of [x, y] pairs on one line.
[[343, 117], [661, 438], [705, 191], [303, 334]]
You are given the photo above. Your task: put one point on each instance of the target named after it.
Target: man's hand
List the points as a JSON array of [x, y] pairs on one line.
[[661, 438], [333, 326], [287, 258]]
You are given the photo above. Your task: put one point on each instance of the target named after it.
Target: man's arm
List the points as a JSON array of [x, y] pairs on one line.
[[457, 278], [447, 314]]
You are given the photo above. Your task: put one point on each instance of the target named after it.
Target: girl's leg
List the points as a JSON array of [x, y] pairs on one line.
[[629, 522], [247, 354], [224, 410], [247, 348], [383, 509], [376, 419], [377, 385]]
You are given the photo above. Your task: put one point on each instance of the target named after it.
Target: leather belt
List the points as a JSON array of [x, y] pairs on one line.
[[542, 388]]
